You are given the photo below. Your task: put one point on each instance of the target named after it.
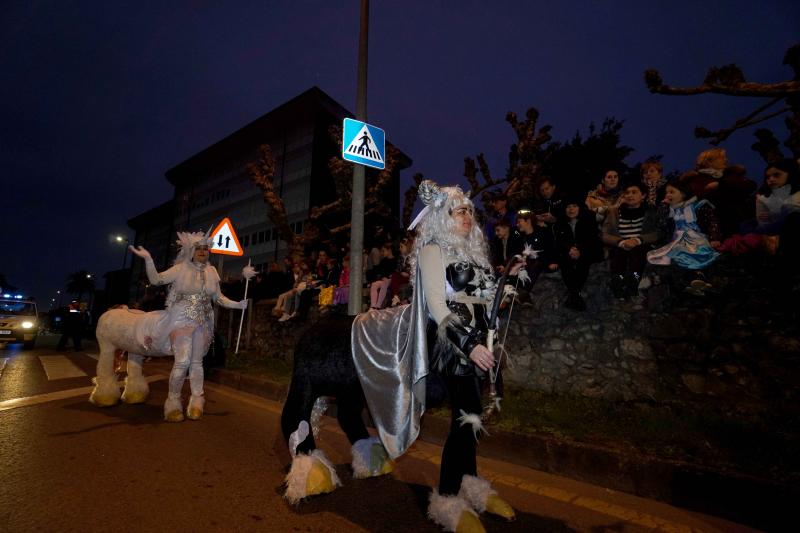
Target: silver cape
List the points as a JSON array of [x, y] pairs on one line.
[[391, 356]]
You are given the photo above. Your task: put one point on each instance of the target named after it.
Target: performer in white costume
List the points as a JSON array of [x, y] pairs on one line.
[[185, 329]]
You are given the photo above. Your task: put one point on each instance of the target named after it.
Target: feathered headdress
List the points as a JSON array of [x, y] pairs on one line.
[[432, 197], [187, 242]]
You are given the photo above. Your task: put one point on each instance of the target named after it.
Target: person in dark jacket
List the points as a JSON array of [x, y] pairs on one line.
[[535, 233], [577, 246]]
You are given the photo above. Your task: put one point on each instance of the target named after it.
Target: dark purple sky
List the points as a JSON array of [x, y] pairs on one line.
[[98, 99]]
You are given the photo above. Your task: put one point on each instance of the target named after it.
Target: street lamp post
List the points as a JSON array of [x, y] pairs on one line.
[[121, 239]]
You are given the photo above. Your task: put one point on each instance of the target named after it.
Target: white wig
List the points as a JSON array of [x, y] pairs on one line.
[[187, 242], [435, 224]]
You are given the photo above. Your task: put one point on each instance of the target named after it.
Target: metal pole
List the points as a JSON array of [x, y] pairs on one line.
[[125, 253], [357, 212]]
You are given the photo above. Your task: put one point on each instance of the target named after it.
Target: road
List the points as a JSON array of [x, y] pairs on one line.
[[66, 465]]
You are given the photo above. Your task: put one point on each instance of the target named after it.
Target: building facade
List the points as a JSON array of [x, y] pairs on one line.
[[214, 184]]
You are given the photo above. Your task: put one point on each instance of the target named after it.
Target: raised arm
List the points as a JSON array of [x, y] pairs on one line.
[[155, 277]]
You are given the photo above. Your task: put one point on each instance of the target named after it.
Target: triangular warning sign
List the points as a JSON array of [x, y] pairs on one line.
[[363, 145], [224, 239]]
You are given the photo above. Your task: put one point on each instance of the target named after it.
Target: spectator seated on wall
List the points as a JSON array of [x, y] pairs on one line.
[[725, 186], [503, 245], [606, 195], [629, 230], [497, 202], [777, 206], [550, 202], [535, 233], [695, 235], [653, 179], [577, 245], [381, 277], [400, 287]]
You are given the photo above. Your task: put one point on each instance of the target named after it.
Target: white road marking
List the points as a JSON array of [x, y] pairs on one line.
[[92, 355], [60, 395], [60, 367], [3, 362]]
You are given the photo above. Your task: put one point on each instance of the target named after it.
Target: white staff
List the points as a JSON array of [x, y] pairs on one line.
[[248, 272]]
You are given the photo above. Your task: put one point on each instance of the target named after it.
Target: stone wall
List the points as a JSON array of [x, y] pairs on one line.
[[737, 343]]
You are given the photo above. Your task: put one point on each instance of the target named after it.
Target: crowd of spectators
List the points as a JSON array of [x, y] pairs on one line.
[[648, 229]]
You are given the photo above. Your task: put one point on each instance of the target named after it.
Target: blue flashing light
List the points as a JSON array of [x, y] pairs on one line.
[[18, 297], [6, 296]]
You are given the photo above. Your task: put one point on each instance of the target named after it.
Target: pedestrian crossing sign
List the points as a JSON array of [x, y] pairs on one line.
[[363, 143], [224, 239]]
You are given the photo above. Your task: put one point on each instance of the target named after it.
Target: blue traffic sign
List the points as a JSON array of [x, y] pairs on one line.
[[363, 143]]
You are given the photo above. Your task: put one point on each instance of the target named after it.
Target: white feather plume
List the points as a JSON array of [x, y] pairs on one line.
[[248, 272]]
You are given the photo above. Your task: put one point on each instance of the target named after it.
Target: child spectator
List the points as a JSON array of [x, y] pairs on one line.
[[629, 230], [400, 286], [577, 247], [606, 195], [694, 224], [381, 275], [341, 295], [503, 245], [777, 208], [540, 238]]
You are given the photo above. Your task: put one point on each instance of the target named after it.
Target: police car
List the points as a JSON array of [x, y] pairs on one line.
[[18, 320]]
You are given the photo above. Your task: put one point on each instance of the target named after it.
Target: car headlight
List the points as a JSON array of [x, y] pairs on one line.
[[27, 324]]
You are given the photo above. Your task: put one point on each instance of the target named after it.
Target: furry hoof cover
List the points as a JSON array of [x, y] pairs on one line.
[[370, 459], [453, 514], [499, 507], [173, 416], [310, 475], [195, 409], [134, 397], [103, 400]]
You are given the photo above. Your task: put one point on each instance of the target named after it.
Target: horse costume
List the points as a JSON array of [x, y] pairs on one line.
[[183, 330], [382, 361]]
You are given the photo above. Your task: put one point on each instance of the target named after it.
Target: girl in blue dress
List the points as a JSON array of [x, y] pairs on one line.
[[694, 223]]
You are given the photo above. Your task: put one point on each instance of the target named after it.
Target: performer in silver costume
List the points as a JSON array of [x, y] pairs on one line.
[[453, 291], [185, 329]]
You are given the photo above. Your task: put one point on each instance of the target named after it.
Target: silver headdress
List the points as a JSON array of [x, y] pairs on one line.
[[188, 241]]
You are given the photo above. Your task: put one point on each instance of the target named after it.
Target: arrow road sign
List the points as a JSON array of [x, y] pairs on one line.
[[363, 143], [224, 239]]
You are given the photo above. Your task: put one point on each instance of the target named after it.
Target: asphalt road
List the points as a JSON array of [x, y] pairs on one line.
[[66, 465]]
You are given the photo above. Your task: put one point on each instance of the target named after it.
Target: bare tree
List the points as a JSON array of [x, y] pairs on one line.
[[318, 225], [782, 98]]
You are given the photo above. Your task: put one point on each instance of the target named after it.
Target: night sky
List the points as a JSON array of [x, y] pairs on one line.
[[98, 99]]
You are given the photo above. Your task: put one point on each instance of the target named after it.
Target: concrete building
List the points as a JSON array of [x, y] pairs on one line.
[[214, 184]]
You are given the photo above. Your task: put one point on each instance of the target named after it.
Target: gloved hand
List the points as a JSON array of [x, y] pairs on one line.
[[140, 251]]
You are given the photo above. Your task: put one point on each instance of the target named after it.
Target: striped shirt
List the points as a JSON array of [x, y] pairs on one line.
[[630, 222]]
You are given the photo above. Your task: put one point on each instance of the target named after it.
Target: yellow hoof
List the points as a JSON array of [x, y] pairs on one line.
[[387, 467], [469, 523], [194, 413], [499, 507], [138, 397], [319, 480], [174, 416], [103, 400]]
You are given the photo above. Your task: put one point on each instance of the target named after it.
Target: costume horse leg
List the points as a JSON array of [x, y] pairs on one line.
[[115, 331], [323, 366]]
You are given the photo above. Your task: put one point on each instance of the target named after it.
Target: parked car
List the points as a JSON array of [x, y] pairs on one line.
[[19, 320]]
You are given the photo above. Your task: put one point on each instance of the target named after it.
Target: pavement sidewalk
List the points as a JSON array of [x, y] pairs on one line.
[[745, 499]]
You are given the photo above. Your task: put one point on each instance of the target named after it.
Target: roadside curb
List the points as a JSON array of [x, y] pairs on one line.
[[744, 499]]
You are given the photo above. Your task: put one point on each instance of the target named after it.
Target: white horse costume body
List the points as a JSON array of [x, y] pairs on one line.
[[184, 330]]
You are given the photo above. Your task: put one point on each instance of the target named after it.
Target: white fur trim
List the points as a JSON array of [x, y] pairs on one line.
[[172, 404], [476, 491], [362, 458], [473, 420], [320, 406], [298, 474], [446, 510], [197, 401], [298, 436], [136, 388]]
